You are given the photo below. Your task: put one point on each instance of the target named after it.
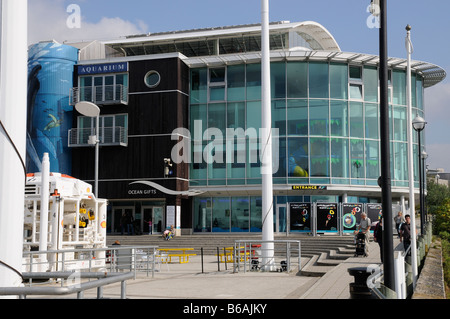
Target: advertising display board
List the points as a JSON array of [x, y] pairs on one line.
[[300, 217], [374, 212], [327, 216], [350, 216]]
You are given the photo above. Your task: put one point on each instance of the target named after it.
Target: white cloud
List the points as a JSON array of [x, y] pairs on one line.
[[47, 20]]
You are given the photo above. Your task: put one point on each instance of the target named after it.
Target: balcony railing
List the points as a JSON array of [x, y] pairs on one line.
[[100, 95], [109, 136]]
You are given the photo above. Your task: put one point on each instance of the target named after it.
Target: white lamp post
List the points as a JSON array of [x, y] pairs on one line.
[[92, 110]]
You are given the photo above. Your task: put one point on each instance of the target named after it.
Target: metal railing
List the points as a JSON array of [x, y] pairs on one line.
[[250, 255], [107, 136], [79, 288], [111, 259], [100, 95]]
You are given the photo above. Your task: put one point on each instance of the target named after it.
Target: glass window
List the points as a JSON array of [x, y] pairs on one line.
[[254, 115], [357, 158], [372, 160], [297, 80], [419, 91], [199, 84], [413, 90], [400, 162], [339, 118], [152, 79], [202, 214], [318, 117], [255, 214], [217, 115], [217, 75], [338, 81], [297, 117], [355, 73], [320, 157], [221, 214], [318, 80], [278, 80], [371, 120], [253, 82], [217, 93], [339, 157], [236, 82], [279, 116], [356, 120], [399, 79], [370, 84], [240, 214], [298, 157], [355, 91], [400, 128]]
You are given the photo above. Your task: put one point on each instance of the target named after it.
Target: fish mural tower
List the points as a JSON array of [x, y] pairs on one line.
[[50, 79]]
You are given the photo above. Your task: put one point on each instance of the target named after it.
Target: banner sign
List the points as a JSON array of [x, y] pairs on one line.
[[374, 212], [300, 217], [327, 215], [351, 214]]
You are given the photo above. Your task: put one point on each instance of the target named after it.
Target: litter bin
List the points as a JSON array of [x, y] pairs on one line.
[[359, 289]]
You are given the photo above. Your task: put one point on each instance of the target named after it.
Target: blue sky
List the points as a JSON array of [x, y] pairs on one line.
[[346, 20]]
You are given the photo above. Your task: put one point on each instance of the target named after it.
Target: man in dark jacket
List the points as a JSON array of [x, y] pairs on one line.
[[405, 232]]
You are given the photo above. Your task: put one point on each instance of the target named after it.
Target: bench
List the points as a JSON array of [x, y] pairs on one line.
[[181, 253], [228, 257]]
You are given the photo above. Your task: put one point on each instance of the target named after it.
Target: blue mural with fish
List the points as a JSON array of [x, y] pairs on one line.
[[50, 79]]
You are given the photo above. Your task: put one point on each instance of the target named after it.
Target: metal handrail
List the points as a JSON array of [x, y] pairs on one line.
[[93, 257], [248, 248], [79, 288]]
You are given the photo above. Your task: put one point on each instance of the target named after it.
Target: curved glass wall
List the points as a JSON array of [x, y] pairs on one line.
[[326, 113]]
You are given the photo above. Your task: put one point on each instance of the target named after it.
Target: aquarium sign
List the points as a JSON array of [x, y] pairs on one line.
[[103, 68]]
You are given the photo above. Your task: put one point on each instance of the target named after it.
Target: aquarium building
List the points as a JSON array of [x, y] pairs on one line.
[[185, 90]]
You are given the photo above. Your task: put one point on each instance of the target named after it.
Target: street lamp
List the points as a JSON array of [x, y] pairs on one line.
[[92, 110], [419, 124], [379, 8]]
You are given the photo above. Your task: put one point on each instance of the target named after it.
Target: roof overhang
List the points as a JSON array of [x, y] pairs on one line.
[[431, 73]]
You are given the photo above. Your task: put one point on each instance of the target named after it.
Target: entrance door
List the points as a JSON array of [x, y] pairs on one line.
[[280, 220], [156, 215], [118, 212]]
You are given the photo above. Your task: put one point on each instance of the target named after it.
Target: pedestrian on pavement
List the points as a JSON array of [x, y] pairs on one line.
[[378, 236], [398, 221], [405, 233], [364, 228]]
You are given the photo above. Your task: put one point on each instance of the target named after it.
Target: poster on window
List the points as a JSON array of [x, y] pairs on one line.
[[374, 212], [327, 215], [300, 217], [351, 213]]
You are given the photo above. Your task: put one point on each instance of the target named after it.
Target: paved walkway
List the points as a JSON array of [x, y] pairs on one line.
[[186, 281]]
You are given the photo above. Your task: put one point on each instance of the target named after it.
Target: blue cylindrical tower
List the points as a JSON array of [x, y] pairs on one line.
[[50, 78]]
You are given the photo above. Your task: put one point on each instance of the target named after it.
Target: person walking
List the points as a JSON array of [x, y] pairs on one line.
[[364, 228], [405, 232], [378, 236], [398, 221]]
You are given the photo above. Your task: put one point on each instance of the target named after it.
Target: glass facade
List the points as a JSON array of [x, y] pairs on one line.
[[326, 113]]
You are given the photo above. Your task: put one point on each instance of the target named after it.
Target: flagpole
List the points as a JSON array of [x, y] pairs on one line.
[[412, 212]]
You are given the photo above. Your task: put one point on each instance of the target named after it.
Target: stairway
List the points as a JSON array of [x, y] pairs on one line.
[[319, 254]]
